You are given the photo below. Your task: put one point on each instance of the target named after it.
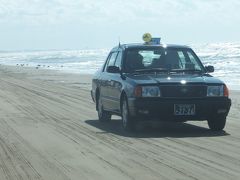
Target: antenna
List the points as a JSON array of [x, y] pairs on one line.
[[119, 43]]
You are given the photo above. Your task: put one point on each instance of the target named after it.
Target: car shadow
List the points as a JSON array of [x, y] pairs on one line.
[[161, 130]]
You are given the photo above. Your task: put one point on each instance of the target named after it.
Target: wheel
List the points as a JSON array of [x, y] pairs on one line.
[[103, 116], [217, 123], [128, 122]]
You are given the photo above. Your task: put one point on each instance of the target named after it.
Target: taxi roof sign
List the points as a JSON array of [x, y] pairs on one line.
[[155, 41]]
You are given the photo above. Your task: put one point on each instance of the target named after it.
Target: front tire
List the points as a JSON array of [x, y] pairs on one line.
[[217, 123], [128, 122], [103, 116]]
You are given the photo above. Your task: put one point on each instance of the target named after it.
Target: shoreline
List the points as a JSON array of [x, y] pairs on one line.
[[50, 75], [67, 73]]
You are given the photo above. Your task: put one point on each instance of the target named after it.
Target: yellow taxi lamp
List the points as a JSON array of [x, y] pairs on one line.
[[147, 37]]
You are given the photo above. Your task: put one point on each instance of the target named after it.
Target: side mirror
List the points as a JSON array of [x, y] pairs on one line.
[[209, 69], [113, 69]]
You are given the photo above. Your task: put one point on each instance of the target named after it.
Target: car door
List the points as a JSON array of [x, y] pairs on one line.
[[106, 83], [114, 90]]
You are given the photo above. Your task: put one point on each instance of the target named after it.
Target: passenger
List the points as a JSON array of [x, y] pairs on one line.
[[134, 61]]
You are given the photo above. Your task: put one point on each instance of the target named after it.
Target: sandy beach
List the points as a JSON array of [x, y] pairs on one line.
[[49, 130]]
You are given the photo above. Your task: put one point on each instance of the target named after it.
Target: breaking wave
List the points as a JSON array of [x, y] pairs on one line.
[[224, 56]]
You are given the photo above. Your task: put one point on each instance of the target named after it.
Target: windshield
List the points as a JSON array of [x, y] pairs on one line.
[[161, 59]]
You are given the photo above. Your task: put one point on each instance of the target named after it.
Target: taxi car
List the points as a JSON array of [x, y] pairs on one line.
[[159, 82]]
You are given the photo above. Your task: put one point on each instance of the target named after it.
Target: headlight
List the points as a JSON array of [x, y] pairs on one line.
[[147, 91], [215, 90]]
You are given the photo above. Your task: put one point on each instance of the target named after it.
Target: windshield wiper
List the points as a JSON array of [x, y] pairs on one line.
[[186, 70], [156, 70], [151, 70]]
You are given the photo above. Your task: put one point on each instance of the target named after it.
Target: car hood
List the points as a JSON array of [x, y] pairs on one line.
[[174, 79]]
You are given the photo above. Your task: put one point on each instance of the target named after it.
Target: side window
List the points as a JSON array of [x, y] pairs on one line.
[[191, 57], [193, 61], [182, 59], [111, 61], [106, 63], [119, 60]]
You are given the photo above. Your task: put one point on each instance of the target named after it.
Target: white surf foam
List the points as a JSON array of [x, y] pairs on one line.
[[224, 56]]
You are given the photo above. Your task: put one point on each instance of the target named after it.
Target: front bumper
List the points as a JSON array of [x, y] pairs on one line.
[[162, 109]]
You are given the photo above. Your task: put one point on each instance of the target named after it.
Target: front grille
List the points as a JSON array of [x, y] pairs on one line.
[[183, 91]]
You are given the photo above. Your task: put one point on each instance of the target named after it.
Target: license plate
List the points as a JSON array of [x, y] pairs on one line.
[[184, 109]]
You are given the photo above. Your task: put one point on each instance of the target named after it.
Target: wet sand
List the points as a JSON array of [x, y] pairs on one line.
[[49, 130]]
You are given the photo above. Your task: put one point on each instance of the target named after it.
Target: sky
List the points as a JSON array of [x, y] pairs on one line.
[[81, 24]]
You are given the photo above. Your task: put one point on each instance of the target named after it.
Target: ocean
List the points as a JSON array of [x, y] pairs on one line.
[[225, 57]]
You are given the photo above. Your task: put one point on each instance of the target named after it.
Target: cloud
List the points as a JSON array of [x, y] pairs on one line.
[[96, 11], [41, 24]]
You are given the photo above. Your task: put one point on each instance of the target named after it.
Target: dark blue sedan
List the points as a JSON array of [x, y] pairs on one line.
[[146, 83]]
